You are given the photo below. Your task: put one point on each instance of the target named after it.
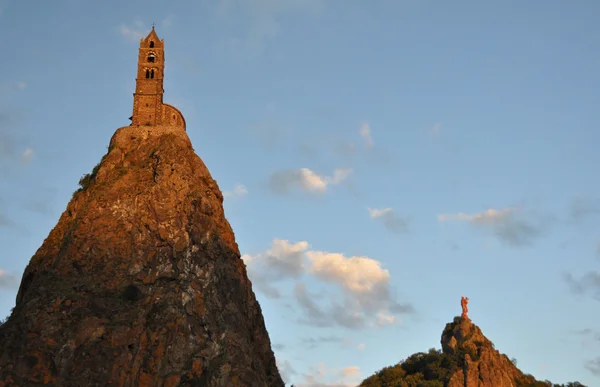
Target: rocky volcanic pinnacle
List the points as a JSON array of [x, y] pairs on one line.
[[467, 359], [140, 283], [483, 366]]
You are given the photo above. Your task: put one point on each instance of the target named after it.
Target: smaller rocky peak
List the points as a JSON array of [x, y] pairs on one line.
[[467, 359], [462, 335]]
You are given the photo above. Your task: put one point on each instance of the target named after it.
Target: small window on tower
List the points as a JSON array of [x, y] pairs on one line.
[[151, 58], [151, 43], [147, 73], [152, 74]]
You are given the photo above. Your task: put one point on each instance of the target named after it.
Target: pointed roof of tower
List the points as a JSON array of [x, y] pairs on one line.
[[152, 36]]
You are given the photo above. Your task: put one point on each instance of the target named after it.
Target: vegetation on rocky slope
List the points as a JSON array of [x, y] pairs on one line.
[[434, 369], [427, 369]]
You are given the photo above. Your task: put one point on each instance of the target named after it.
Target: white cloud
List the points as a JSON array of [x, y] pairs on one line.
[[27, 155], [488, 216], [238, 191], [390, 219], [358, 275], [363, 296], [360, 346], [385, 319], [339, 175], [323, 376], [511, 226], [135, 31], [375, 213], [286, 258], [365, 133], [351, 372], [305, 180], [310, 181], [285, 369], [282, 260], [21, 85]]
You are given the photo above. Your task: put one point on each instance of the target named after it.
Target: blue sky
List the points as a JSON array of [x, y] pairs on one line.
[[379, 159]]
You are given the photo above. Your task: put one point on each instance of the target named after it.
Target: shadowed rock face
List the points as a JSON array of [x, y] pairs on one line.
[[140, 283]]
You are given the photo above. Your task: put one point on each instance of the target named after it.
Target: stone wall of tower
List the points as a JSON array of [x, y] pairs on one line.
[[147, 110], [148, 106], [148, 96]]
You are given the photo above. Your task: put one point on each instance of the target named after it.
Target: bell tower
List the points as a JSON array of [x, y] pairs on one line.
[[148, 96], [148, 106]]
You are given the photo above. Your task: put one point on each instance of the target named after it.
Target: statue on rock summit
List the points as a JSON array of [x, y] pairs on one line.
[[463, 303]]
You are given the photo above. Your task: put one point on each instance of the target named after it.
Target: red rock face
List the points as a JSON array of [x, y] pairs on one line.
[[483, 366], [140, 283]]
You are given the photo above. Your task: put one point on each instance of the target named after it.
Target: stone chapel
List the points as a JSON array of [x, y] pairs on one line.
[[148, 106]]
